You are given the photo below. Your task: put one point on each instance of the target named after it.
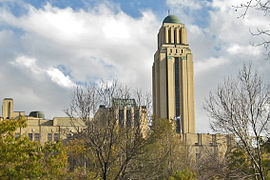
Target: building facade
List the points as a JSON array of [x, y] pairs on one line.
[[126, 113], [40, 129], [172, 76]]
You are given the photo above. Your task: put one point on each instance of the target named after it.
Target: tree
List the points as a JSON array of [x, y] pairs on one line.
[[21, 158], [165, 156], [260, 7], [185, 174], [241, 107], [108, 149]]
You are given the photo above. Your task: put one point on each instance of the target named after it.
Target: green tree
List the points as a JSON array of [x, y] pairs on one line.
[[164, 156], [184, 174], [266, 157], [21, 158]]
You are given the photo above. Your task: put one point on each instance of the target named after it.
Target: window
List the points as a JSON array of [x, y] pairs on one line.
[[36, 136], [68, 136], [17, 135], [199, 139], [198, 155], [56, 136], [30, 135], [128, 117], [177, 94], [121, 118], [137, 118], [175, 36], [169, 36], [9, 110], [214, 140], [49, 136]]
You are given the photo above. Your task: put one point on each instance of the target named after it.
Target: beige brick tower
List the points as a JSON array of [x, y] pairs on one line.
[[172, 76], [7, 108]]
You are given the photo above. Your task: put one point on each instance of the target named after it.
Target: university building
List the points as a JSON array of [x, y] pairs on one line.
[[38, 128], [173, 89], [125, 111]]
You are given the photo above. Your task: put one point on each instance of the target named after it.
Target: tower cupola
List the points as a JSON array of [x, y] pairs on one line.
[[171, 19]]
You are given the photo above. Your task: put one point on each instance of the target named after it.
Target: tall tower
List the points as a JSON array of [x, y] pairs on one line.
[[172, 76], [7, 108]]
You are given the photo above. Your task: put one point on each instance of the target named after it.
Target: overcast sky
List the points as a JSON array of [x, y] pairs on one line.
[[47, 47]]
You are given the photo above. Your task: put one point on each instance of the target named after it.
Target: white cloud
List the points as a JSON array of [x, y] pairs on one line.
[[98, 43], [208, 65], [58, 77], [219, 46], [27, 63], [247, 50], [104, 43], [93, 43]]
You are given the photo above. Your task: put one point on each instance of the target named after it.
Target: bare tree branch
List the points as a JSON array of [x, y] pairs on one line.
[[241, 107]]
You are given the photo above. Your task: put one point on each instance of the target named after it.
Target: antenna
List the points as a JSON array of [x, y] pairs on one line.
[[169, 13]]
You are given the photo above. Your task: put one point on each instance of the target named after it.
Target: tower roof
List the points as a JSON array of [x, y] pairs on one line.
[[37, 114], [171, 19]]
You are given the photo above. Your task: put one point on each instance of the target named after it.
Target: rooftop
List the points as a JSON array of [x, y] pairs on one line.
[[171, 19]]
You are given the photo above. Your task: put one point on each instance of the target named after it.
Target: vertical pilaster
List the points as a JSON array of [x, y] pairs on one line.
[[166, 35], [183, 35]]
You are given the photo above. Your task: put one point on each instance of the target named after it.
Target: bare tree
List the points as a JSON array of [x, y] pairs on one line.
[[241, 107], [109, 148], [164, 156], [261, 7]]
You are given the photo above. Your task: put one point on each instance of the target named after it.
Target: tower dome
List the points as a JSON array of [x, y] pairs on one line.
[[171, 19], [37, 114]]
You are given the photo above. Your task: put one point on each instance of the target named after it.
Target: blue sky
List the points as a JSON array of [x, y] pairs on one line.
[[47, 47], [132, 8]]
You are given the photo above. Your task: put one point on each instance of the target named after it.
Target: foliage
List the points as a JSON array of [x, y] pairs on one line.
[[164, 156], [266, 157], [21, 158], [184, 174], [107, 150]]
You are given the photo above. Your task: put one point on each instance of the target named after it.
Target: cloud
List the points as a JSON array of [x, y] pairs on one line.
[[27, 63], [91, 44], [100, 39], [220, 46], [248, 50], [58, 77], [45, 51], [208, 65]]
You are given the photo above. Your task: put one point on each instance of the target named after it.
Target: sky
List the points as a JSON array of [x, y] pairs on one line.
[[48, 47]]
